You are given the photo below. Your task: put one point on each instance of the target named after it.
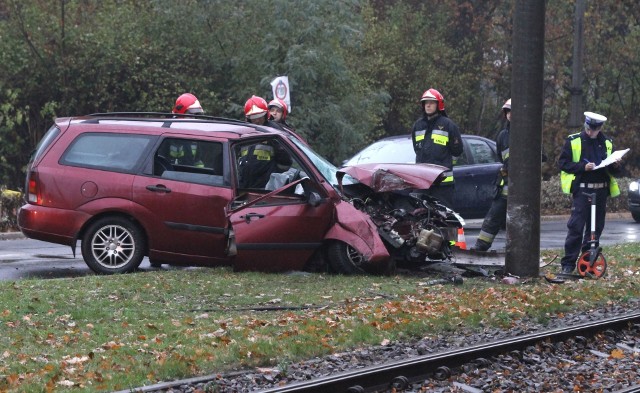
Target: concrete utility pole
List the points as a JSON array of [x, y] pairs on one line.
[[576, 116], [525, 140]]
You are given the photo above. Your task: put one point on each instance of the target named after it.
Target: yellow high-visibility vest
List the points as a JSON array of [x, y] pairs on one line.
[[566, 178]]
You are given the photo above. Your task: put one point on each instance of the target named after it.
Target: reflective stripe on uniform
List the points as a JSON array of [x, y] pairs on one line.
[[420, 135], [176, 151], [448, 176], [505, 154], [263, 152], [486, 237], [440, 137]]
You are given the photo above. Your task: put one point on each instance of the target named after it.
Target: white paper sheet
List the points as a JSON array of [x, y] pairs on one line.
[[615, 156]]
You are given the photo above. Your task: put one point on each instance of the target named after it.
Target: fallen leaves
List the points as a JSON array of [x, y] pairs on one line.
[[183, 329], [617, 354], [111, 345]]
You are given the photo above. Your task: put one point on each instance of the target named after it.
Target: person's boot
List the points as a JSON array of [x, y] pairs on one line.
[[566, 269], [481, 245]]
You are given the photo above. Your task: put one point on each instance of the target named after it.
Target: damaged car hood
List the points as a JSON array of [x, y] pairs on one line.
[[394, 177]]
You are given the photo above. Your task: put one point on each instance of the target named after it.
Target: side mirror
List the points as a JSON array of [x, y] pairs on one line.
[[315, 199]]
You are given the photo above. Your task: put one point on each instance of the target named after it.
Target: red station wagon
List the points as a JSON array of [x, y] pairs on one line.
[[209, 191]]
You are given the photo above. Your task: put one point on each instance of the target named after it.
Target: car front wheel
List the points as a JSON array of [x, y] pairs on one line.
[[113, 245], [346, 260], [636, 216]]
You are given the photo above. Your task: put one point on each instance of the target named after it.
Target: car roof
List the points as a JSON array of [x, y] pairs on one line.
[[408, 136], [149, 122], [395, 148]]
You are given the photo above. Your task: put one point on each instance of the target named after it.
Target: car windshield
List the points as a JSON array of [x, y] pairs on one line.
[[390, 151], [327, 169]]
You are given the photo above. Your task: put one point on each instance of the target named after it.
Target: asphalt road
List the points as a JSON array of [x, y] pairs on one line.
[[22, 258], [619, 228]]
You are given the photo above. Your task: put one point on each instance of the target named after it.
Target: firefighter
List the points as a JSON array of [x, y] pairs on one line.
[[436, 140], [497, 215], [257, 162], [188, 104], [278, 111], [256, 111], [183, 153], [580, 155]]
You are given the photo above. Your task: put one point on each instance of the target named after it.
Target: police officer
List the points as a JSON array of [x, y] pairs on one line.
[[497, 215], [580, 155], [436, 140]]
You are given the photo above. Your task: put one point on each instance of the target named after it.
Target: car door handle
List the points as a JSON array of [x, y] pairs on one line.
[[250, 216], [159, 188]]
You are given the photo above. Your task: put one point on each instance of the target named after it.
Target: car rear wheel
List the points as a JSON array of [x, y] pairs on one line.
[[113, 245], [346, 260], [636, 216]]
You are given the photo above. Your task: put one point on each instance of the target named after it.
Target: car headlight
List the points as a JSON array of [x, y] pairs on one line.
[[633, 186]]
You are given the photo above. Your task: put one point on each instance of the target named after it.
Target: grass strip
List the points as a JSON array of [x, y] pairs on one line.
[[105, 333]]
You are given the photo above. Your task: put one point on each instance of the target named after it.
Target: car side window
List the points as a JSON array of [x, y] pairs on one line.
[[460, 160], [115, 152], [481, 152], [189, 160], [266, 165]]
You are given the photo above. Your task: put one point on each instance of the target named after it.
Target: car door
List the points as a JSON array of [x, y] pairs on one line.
[[475, 177], [184, 204], [280, 229]]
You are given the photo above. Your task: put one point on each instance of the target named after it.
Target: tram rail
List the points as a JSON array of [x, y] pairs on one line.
[[398, 375]]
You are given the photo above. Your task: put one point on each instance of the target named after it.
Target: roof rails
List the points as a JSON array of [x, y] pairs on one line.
[[170, 117], [162, 115]]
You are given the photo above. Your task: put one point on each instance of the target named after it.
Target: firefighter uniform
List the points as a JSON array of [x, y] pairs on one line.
[[497, 215], [259, 161], [581, 151], [437, 141]]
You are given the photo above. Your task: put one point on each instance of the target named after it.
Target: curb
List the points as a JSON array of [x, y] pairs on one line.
[[12, 235], [609, 216]]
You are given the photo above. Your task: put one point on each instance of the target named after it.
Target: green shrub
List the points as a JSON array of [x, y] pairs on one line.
[[10, 201]]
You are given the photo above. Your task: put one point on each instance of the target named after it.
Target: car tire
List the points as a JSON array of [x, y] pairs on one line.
[[113, 245], [344, 259], [636, 216]]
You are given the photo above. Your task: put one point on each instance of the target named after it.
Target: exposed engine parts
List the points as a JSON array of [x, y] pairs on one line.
[[414, 226]]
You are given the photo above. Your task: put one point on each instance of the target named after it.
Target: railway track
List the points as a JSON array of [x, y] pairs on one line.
[[422, 373]]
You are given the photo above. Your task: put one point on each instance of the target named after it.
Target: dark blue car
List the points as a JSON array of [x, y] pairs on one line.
[[634, 199], [474, 171]]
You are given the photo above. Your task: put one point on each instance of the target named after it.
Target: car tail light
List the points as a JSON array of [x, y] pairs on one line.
[[33, 194]]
